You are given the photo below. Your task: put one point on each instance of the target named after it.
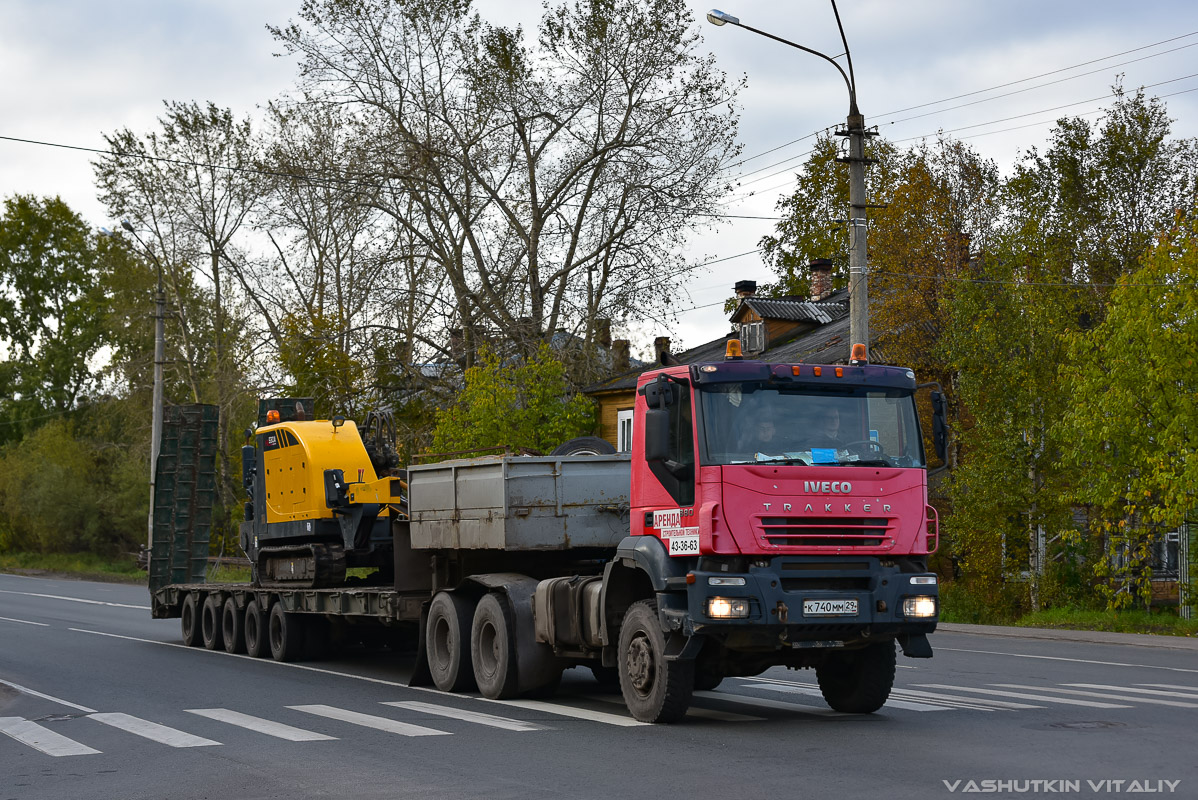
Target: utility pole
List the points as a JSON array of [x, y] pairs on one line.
[[159, 359], [858, 203]]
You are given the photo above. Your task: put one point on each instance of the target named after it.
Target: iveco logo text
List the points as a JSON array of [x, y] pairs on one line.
[[835, 487]]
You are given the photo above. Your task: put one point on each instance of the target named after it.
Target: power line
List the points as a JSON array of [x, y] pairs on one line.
[[327, 181], [997, 282]]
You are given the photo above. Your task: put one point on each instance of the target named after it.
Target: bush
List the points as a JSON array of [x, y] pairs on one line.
[[974, 603]]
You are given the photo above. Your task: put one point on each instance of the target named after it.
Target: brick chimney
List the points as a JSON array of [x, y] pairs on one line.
[[661, 347], [745, 289], [603, 333], [621, 356], [821, 278]]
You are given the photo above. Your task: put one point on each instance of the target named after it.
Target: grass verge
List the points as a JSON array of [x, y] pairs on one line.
[[85, 566], [1114, 621]]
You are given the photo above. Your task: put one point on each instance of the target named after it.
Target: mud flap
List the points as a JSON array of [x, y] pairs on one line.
[[680, 647], [916, 645], [421, 675]]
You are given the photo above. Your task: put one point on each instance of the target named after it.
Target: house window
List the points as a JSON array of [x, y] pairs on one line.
[[752, 336], [624, 431]]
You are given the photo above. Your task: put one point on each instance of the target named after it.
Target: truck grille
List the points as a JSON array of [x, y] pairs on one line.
[[828, 532]]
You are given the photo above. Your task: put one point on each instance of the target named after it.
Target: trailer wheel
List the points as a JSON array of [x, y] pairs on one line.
[[447, 641], [257, 639], [655, 690], [857, 681], [189, 617], [584, 446], [286, 634], [233, 627], [210, 630], [493, 648]]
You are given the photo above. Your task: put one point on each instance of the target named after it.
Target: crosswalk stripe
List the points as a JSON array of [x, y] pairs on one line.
[[970, 703], [269, 727], [696, 711], [1154, 692], [468, 716], [1101, 695], [1191, 689], [369, 721], [1000, 705], [43, 739], [1023, 696], [25, 622], [776, 705], [815, 692], [152, 730], [571, 711]]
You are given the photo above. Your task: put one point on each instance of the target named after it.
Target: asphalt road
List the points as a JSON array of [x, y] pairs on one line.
[[100, 701]]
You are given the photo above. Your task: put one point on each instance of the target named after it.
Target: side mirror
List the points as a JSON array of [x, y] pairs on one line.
[[940, 426], [657, 434]]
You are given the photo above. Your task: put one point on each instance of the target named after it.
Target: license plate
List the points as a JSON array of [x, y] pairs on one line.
[[829, 608]]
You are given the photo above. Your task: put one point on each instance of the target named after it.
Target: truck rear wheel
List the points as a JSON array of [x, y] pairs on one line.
[[655, 690], [257, 639], [493, 648], [286, 634], [447, 642], [210, 623], [189, 618], [233, 627], [857, 681]]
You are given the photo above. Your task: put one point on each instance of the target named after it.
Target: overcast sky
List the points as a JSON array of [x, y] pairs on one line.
[[72, 70]]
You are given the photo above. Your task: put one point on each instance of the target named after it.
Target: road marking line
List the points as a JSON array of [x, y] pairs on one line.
[[1190, 689], [467, 716], [370, 721], [1156, 692], [1062, 658], [696, 711], [152, 730], [269, 727], [76, 599], [25, 622], [777, 705], [570, 711], [815, 692], [997, 705], [1024, 696], [970, 703], [1100, 695], [61, 702], [43, 739]]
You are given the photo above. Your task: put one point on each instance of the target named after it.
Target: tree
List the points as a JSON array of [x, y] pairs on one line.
[[550, 183], [53, 309], [1133, 412], [517, 403]]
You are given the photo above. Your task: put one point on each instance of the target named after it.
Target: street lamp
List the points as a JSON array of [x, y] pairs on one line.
[[159, 358], [855, 130]]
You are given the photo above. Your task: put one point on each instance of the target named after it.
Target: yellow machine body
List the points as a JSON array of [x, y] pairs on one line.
[[294, 458]]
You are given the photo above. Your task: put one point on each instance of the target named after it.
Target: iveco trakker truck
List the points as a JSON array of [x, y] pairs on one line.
[[767, 515]]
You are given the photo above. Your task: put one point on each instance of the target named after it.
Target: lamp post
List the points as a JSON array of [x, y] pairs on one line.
[[855, 130], [159, 358]]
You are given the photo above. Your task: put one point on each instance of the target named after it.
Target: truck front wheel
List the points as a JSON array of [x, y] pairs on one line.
[[493, 650], [447, 642], [655, 690], [857, 681]]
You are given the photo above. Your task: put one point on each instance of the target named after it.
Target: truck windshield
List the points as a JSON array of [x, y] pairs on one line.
[[746, 423]]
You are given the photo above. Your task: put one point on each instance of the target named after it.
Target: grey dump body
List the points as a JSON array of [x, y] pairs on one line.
[[517, 503]]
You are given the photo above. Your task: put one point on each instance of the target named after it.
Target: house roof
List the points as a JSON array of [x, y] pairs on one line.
[[826, 344], [796, 310]]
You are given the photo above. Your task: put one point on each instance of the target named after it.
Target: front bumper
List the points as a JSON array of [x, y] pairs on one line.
[[777, 588]]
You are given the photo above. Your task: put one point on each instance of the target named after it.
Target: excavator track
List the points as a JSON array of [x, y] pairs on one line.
[[301, 566]]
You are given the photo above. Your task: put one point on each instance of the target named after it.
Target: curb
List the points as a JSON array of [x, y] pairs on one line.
[[1153, 640]]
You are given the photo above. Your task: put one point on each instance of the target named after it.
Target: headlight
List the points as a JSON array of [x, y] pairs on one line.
[[727, 607], [717, 581], [922, 606]]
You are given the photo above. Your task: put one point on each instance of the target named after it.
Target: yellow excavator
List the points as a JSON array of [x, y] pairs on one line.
[[322, 494]]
